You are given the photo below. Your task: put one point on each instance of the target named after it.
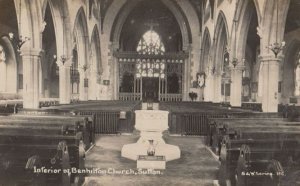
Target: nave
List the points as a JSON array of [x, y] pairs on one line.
[[217, 144], [197, 166]]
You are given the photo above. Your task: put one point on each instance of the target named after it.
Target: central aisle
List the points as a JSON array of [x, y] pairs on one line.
[[196, 166]]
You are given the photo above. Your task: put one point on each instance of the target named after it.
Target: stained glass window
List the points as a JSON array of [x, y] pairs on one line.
[[150, 43]]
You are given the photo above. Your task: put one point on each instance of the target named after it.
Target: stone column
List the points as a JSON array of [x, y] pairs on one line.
[[217, 80], [92, 89], [208, 92], [83, 91], [41, 82], [236, 86], [64, 83], [2, 76], [270, 73], [31, 67], [187, 73]]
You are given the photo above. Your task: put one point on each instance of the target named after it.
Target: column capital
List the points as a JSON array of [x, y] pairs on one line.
[[187, 47], [237, 68], [67, 64], [267, 58], [31, 52]]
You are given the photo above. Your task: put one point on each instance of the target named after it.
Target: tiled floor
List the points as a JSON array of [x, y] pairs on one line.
[[195, 167]]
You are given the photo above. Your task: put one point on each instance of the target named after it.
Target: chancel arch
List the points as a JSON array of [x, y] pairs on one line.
[[151, 54]]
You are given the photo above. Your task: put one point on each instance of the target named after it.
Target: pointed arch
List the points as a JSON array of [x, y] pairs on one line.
[[219, 46], [95, 48], [289, 66], [221, 37], [125, 10], [9, 74], [248, 11], [206, 45], [270, 29], [81, 36], [221, 22], [241, 7]]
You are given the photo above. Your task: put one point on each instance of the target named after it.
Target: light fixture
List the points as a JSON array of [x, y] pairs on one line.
[[18, 41], [63, 58], [276, 47], [85, 67], [234, 61]]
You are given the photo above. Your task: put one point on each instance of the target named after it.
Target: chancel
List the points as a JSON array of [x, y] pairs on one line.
[[150, 92]]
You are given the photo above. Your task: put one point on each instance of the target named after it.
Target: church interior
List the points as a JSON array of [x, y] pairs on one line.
[[150, 92]]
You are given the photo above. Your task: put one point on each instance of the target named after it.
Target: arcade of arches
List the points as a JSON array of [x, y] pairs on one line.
[[150, 50]]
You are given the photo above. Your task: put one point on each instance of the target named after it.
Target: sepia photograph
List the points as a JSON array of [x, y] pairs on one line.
[[149, 92]]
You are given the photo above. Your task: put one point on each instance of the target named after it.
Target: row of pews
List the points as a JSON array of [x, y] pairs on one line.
[[261, 150], [14, 107], [47, 146], [44, 149], [191, 118]]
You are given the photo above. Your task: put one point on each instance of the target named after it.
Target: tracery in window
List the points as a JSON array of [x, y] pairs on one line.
[[150, 43]]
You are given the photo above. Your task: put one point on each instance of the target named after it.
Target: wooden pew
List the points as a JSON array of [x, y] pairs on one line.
[[85, 124], [230, 152], [9, 108], [255, 159], [27, 147], [233, 126], [214, 124], [106, 114]]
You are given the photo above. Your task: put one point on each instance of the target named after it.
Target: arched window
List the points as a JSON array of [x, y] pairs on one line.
[[150, 43]]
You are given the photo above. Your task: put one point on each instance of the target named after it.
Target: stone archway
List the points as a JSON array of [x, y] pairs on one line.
[[49, 78], [95, 69], [81, 39], [272, 26], [116, 34], [206, 65], [289, 66], [245, 47], [8, 67], [221, 36]]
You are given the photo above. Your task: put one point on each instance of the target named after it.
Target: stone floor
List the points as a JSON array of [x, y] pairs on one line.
[[197, 166]]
